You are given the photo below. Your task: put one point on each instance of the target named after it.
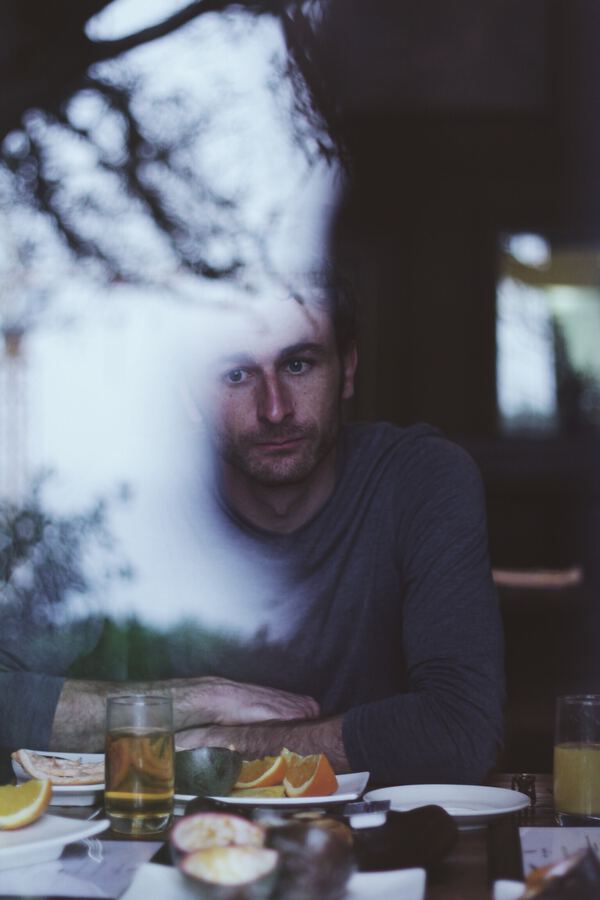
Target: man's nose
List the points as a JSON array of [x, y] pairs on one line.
[[275, 402]]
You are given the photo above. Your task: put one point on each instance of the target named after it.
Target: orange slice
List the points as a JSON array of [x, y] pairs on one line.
[[290, 757], [21, 804], [275, 790], [263, 772], [309, 776], [138, 796]]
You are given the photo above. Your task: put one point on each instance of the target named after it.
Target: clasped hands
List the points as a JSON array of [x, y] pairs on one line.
[[234, 705]]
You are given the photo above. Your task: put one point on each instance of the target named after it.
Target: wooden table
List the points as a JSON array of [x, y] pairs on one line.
[[479, 857], [483, 855]]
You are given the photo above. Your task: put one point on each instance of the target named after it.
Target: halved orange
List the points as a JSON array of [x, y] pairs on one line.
[[263, 772], [21, 804], [309, 776]]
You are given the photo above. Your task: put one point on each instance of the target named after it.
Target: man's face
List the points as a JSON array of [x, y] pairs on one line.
[[276, 400]]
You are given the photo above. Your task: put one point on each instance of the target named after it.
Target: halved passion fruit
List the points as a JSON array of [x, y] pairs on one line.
[[316, 860], [202, 831], [232, 873]]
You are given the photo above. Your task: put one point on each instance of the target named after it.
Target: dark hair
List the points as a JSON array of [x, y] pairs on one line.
[[344, 312], [332, 291]]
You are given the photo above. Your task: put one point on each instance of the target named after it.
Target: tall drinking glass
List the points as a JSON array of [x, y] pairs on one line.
[[138, 796], [577, 760]]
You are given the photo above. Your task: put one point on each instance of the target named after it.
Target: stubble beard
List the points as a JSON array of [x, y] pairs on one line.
[[274, 469]]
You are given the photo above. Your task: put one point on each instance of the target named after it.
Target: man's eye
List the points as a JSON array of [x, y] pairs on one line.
[[298, 366], [236, 376]]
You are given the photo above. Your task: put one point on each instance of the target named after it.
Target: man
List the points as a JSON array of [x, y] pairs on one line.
[[393, 622], [385, 527]]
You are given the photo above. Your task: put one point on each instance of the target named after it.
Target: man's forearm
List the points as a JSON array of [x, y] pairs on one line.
[[79, 720], [267, 738], [80, 717]]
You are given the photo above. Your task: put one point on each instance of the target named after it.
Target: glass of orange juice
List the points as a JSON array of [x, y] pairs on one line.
[[577, 760], [139, 763]]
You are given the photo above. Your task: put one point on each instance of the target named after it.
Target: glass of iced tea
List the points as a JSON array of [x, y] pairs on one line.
[[138, 795], [577, 760]]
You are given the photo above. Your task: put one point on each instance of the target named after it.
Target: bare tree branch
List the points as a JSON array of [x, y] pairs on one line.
[[316, 107], [46, 64], [111, 49]]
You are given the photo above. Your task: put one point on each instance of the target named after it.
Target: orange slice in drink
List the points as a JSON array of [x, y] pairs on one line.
[[22, 804], [309, 776], [157, 756], [139, 797], [263, 772]]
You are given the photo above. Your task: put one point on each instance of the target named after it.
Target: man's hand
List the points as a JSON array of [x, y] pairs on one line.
[[80, 716], [267, 738], [236, 703]]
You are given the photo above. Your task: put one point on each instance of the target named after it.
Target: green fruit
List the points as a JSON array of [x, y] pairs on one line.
[[206, 771]]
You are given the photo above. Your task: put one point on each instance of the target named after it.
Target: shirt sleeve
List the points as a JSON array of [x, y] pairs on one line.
[[27, 705], [447, 725], [35, 656]]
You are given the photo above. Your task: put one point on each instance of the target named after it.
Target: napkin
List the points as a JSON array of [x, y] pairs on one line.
[[86, 869]]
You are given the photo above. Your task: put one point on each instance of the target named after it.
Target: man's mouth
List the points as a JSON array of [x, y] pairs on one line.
[[280, 443]]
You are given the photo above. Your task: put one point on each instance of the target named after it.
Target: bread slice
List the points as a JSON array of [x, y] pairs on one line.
[[58, 769]]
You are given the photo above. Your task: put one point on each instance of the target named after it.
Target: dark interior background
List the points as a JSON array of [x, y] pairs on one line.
[[466, 121]]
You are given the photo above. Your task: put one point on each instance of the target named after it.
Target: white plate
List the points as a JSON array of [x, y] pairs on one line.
[[349, 788], [153, 880], [401, 884], [44, 840], [508, 890], [68, 794], [468, 804]]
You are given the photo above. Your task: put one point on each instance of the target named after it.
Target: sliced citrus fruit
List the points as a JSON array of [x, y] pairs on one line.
[[117, 761], [275, 790], [21, 804], [290, 756], [261, 772], [138, 797], [309, 776]]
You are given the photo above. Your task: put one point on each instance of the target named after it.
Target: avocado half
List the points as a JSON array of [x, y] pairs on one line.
[[207, 771]]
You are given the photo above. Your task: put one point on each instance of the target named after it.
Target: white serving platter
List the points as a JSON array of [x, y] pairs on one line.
[[350, 787]]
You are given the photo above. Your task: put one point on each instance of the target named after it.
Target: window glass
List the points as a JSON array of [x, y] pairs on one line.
[[548, 335]]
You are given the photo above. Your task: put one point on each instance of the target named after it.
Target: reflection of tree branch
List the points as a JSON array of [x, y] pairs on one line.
[[45, 51], [110, 49], [322, 115], [138, 153], [43, 190], [195, 225], [44, 557], [119, 99], [151, 170]]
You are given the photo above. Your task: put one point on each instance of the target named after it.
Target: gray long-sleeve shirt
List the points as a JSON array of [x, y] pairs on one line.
[[393, 618]]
